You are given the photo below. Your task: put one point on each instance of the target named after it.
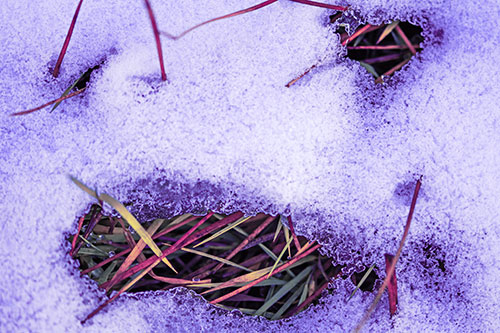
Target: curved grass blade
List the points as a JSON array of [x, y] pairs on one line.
[[280, 256], [136, 226], [363, 279], [21, 113]]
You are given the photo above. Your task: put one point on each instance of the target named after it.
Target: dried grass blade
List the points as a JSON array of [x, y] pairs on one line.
[[278, 229], [136, 226], [55, 73], [240, 279], [66, 92], [387, 31], [247, 240], [75, 237], [137, 250], [222, 260], [390, 271], [363, 279]]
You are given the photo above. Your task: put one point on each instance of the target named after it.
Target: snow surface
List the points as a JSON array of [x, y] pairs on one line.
[[336, 151]]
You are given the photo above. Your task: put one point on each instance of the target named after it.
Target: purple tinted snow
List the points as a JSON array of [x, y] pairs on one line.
[[229, 134]]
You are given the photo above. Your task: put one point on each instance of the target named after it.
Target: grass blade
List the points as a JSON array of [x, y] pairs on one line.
[[387, 31], [220, 232], [287, 304], [287, 246], [363, 279], [136, 226], [239, 12], [283, 290], [66, 92], [276, 271]]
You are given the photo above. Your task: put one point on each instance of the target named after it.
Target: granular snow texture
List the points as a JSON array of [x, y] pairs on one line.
[[337, 152]]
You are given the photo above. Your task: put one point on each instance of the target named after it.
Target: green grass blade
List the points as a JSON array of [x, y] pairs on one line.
[[107, 272], [220, 232], [67, 91], [283, 290], [369, 68], [303, 296], [287, 304], [136, 226], [362, 280], [92, 246]]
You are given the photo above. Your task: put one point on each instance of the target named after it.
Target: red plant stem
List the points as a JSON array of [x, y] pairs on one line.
[[385, 58], [390, 271], [356, 34], [66, 41], [406, 40], [152, 260], [292, 82], [49, 103], [392, 70], [295, 238], [75, 237], [239, 12], [322, 5], [392, 287], [265, 276], [380, 47], [157, 39]]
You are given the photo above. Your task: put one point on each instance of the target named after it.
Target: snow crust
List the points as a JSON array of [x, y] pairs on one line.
[[336, 151]]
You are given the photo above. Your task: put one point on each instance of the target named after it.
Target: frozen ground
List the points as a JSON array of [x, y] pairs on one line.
[[337, 152]]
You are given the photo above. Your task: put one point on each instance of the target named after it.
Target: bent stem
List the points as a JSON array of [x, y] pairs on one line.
[[390, 271]]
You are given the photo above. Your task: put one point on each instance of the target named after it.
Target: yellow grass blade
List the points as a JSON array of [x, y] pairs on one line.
[[278, 229], [387, 31], [227, 262], [226, 229], [281, 255], [136, 226], [84, 187]]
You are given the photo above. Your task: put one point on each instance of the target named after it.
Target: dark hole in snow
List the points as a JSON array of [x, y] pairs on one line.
[[381, 49], [288, 271]]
